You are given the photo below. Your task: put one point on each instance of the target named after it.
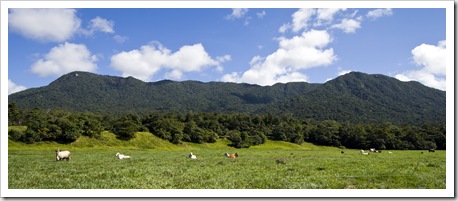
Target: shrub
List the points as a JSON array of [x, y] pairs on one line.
[[16, 135], [125, 130]]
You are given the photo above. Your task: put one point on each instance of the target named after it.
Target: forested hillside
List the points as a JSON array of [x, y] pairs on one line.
[[354, 97], [356, 110], [242, 130], [363, 98]]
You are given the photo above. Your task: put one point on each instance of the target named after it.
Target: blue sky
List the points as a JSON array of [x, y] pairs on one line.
[[256, 45]]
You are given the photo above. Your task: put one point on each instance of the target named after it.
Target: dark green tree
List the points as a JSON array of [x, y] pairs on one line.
[[125, 129], [14, 115]]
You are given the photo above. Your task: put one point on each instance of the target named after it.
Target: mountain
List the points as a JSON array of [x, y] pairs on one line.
[[359, 97], [354, 97]]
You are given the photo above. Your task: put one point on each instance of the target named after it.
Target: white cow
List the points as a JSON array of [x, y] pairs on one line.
[[192, 156], [364, 153], [60, 155], [121, 156]]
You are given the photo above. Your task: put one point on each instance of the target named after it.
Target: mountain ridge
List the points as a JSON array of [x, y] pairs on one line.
[[354, 97]]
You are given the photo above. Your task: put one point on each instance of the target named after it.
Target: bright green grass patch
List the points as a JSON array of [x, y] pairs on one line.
[[254, 169], [19, 128], [148, 141], [107, 140], [275, 145], [159, 164]]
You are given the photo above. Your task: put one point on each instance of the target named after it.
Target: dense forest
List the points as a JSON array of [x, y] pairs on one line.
[[356, 98], [243, 130]]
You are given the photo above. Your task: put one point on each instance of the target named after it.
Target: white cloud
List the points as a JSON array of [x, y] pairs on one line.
[[428, 79], [145, 62], [102, 25], [65, 58], [322, 17], [46, 25], [292, 77], [283, 28], [377, 13], [237, 13], [175, 74], [224, 58], [432, 59], [231, 77], [284, 65], [301, 18], [120, 39], [312, 38], [98, 24], [326, 15], [13, 87], [261, 14], [343, 72], [348, 25]]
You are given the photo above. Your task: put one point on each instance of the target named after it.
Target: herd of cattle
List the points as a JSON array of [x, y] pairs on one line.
[[61, 155], [66, 155], [372, 150]]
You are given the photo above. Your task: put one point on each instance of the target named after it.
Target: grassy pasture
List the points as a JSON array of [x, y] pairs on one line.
[[156, 164]]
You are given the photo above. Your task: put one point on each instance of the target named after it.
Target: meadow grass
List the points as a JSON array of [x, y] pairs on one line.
[[157, 164]]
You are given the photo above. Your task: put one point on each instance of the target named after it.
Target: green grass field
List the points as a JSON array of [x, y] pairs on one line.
[[157, 164]]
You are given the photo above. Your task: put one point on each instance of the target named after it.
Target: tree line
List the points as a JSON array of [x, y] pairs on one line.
[[243, 130]]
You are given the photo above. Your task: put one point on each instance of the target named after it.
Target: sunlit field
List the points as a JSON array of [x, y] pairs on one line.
[[303, 167]]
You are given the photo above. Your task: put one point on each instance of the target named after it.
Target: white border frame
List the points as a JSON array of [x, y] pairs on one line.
[[448, 192]]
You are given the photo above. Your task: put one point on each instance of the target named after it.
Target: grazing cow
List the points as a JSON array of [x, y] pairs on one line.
[[431, 150], [121, 156], [372, 149], [364, 153], [231, 155], [192, 156], [60, 155]]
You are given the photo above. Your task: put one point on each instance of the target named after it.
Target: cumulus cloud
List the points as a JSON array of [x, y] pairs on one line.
[[237, 13], [432, 60], [65, 58], [53, 24], [326, 15], [348, 25], [13, 87], [102, 25], [301, 18], [377, 13], [305, 17], [98, 24], [145, 62], [45, 25], [284, 65]]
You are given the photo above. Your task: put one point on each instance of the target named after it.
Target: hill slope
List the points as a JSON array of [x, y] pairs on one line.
[[354, 97], [359, 97]]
